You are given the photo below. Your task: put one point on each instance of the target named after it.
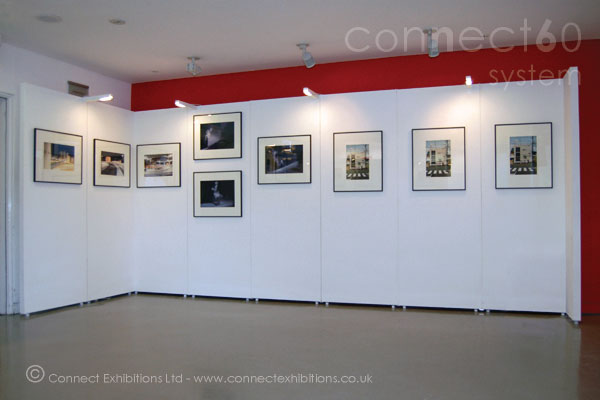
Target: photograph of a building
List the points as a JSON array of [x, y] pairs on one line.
[[523, 155], [284, 159], [357, 161], [438, 159], [112, 163], [158, 165], [60, 157]]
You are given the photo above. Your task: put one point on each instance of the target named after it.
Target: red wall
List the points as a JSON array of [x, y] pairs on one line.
[[485, 66]]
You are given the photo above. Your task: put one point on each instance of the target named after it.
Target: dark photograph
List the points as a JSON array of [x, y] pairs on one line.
[[523, 155], [284, 159], [217, 193], [112, 163], [217, 135]]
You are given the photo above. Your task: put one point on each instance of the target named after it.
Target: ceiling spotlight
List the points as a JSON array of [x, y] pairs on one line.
[[117, 21], [101, 97], [310, 93], [50, 18], [193, 68], [183, 104], [307, 58], [468, 80], [432, 44]]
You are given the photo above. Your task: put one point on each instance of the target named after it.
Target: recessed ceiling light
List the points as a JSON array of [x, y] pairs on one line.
[[117, 21], [49, 18]]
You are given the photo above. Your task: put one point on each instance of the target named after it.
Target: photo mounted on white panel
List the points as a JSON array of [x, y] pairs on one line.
[[159, 165], [218, 194], [112, 165], [57, 157], [439, 161], [524, 156], [358, 161], [284, 159], [218, 136]]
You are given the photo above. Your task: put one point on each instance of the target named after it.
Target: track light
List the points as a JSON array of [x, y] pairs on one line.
[[193, 68], [310, 93], [101, 97], [183, 104], [468, 80], [432, 44], [307, 58]]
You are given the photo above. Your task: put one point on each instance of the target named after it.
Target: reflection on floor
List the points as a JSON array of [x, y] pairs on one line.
[[153, 347]]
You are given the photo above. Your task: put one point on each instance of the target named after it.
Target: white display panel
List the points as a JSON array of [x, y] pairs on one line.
[[54, 216], [360, 229], [523, 231], [439, 241], [286, 258], [110, 211]]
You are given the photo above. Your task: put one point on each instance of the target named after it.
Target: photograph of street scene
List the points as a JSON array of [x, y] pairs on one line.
[[438, 162], [158, 165], [217, 193], [357, 161], [217, 135], [285, 159], [112, 163], [523, 155], [59, 157]]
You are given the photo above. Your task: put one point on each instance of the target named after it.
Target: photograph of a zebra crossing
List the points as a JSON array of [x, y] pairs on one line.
[[357, 161], [523, 155], [438, 160]]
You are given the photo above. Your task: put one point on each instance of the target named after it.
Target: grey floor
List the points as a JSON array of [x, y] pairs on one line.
[[412, 354]]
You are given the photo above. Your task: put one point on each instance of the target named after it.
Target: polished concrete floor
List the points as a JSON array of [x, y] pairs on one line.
[[412, 354]]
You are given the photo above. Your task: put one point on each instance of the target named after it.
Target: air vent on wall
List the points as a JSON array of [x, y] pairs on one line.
[[78, 89]]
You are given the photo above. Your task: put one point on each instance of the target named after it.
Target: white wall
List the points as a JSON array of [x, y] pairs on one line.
[[478, 248], [70, 250], [18, 65]]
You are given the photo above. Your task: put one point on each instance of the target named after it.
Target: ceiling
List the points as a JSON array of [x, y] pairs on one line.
[[243, 35]]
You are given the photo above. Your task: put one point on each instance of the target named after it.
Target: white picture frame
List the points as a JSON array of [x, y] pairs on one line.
[[218, 136], [439, 159], [112, 163], [358, 161], [284, 159], [524, 156], [218, 194], [158, 165]]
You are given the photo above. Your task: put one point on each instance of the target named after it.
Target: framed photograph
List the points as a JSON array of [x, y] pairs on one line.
[[524, 156], [358, 161], [218, 136], [57, 157], [284, 159], [159, 165], [112, 163], [438, 157], [218, 194]]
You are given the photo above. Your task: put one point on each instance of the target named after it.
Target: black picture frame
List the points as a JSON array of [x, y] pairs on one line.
[[307, 178], [218, 154], [380, 180], [141, 170], [237, 175], [464, 161], [551, 169], [96, 141], [37, 162]]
